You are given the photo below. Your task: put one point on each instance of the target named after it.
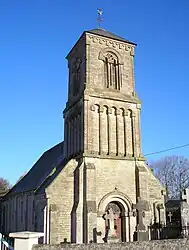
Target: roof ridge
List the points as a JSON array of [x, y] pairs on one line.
[[58, 144], [109, 34], [40, 169]]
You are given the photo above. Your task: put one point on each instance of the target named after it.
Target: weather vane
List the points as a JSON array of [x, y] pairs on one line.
[[99, 18]]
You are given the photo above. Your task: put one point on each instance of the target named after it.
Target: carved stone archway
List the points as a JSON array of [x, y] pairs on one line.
[[121, 206]]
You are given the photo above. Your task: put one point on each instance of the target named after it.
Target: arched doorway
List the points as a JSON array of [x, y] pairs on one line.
[[115, 222]]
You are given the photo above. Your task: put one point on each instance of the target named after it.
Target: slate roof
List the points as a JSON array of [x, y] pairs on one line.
[[105, 33], [41, 169]]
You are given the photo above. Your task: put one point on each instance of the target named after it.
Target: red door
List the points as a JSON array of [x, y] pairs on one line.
[[118, 227]]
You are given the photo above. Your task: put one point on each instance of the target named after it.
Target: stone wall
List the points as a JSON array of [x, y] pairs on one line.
[[61, 203], [179, 244]]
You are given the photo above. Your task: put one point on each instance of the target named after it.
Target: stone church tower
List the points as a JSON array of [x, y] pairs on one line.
[[94, 186], [105, 173]]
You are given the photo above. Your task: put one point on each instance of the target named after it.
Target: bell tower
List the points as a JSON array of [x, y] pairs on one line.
[[102, 115], [105, 171]]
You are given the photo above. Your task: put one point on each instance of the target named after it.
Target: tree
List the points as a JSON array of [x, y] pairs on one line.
[[4, 186], [173, 173]]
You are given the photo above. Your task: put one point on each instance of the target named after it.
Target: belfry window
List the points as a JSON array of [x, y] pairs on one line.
[[112, 71]]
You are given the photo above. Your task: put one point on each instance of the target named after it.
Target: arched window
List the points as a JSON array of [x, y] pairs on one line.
[[112, 68], [111, 64]]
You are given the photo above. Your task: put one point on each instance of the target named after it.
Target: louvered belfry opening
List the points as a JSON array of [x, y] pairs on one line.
[[112, 71]]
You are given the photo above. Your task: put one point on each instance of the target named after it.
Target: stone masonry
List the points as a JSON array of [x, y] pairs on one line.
[[179, 244], [102, 147]]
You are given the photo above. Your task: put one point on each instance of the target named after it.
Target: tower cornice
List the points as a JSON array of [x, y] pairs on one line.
[[110, 42], [111, 95]]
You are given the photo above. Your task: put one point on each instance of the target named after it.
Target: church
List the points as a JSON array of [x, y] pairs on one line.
[[95, 186]]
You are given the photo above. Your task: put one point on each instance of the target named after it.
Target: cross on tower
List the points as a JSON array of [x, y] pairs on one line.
[[99, 18]]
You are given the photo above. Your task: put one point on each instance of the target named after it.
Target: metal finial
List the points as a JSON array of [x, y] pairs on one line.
[[99, 18]]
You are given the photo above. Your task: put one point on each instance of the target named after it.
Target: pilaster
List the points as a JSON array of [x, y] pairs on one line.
[[118, 133], [138, 132], [134, 133], [125, 131], [141, 180], [86, 122], [101, 129], [91, 201], [109, 132]]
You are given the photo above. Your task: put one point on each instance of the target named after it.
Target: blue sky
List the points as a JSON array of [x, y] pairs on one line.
[[35, 37]]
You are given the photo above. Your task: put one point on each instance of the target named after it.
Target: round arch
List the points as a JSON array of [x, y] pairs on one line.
[[115, 196], [111, 50]]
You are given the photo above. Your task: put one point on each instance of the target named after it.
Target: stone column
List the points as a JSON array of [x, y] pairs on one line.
[[127, 222], [109, 132], [125, 131], [25, 240], [95, 129], [117, 76], [117, 132], [120, 131], [113, 135], [120, 75], [104, 130], [134, 132], [108, 75], [101, 130]]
